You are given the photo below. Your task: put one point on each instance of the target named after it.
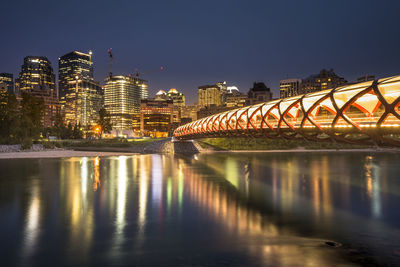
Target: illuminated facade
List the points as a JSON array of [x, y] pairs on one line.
[[37, 79], [235, 99], [122, 100], [190, 112], [289, 88], [83, 102], [8, 80], [156, 117], [209, 95], [355, 113], [322, 81], [161, 95], [71, 65], [178, 100], [36, 74], [144, 87], [52, 106], [177, 97]]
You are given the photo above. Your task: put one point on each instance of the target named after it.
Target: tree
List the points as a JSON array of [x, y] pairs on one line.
[[104, 121], [58, 125], [8, 116], [30, 117], [77, 132]]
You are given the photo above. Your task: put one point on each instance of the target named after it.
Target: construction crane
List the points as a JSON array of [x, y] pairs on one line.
[[137, 73], [111, 60]]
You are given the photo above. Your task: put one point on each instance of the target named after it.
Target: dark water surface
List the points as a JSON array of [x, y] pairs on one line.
[[243, 209]]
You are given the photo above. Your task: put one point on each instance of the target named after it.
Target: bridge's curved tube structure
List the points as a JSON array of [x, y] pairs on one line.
[[357, 113]]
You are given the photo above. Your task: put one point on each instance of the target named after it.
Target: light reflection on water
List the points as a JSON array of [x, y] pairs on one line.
[[213, 209]]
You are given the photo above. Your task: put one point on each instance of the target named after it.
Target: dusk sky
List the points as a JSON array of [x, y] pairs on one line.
[[203, 42]]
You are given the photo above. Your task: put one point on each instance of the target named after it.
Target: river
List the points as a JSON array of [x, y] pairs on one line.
[[217, 209]]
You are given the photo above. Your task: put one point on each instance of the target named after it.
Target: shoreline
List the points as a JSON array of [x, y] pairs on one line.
[[98, 153], [60, 154], [392, 150]]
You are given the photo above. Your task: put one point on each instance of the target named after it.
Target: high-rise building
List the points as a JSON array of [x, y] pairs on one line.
[[3, 88], [37, 79], [161, 95], [177, 97], [156, 117], [224, 90], [83, 101], [322, 81], [209, 95], [259, 93], [144, 87], [8, 80], [122, 100], [71, 65], [289, 87], [36, 74], [178, 100]]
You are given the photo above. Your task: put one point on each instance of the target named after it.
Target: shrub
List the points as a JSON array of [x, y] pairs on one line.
[[48, 145], [26, 143], [58, 144]]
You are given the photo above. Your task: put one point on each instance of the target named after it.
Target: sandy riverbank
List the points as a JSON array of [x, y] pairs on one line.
[[59, 154]]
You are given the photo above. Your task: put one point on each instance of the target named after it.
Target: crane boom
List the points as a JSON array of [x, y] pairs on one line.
[[109, 51]]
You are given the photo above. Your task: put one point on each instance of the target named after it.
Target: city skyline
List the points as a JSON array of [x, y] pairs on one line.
[[240, 43]]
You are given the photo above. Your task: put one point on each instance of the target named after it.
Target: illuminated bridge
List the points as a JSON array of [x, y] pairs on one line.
[[365, 112]]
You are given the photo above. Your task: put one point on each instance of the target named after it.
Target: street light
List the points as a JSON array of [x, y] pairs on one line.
[[97, 130]]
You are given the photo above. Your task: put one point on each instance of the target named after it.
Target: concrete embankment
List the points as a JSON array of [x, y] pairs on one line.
[[171, 146], [165, 146], [186, 147]]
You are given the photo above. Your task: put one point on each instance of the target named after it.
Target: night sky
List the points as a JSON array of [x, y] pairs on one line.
[[203, 42]]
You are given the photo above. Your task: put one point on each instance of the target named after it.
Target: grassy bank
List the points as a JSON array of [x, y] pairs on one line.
[[270, 144], [116, 143]]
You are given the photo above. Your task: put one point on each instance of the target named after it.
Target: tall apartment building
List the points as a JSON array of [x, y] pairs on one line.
[[36, 74], [83, 101], [8, 80], [289, 87], [37, 78], [72, 65], [322, 81], [122, 100]]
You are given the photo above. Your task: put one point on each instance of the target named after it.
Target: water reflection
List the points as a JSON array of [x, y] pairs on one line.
[[96, 178], [372, 175], [32, 224], [265, 209]]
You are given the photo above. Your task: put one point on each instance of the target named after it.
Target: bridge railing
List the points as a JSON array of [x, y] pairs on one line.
[[354, 113]]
